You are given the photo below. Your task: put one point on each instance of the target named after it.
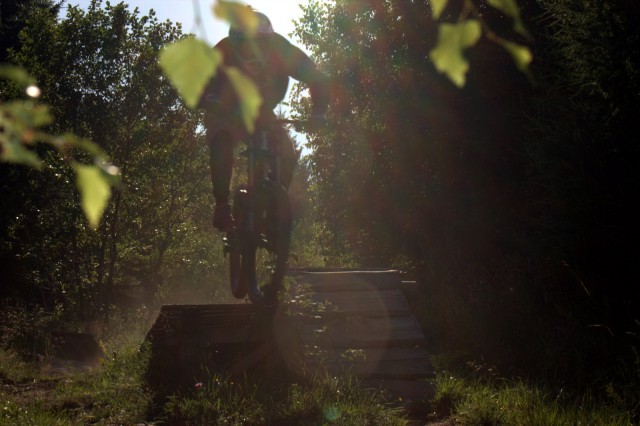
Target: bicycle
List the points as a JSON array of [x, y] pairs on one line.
[[258, 248]]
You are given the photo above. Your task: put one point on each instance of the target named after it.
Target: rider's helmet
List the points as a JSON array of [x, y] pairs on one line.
[[263, 29]]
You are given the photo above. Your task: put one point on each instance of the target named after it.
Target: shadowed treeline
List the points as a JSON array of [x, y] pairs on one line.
[[511, 200]]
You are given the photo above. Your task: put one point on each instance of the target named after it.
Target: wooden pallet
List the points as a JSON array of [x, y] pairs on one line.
[[338, 321]]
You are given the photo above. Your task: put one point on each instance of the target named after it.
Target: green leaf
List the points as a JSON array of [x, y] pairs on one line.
[[190, 64], [28, 114], [452, 40], [521, 54], [238, 15], [16, 131], [13, 151], [71, 140], [510, 8], [94, 192], [437, 6], [249, 95], [17, 75]]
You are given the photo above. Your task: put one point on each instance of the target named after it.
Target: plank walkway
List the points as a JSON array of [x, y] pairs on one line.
[[338, 321]]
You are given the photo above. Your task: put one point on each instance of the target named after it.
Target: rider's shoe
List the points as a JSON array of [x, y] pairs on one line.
[[222, 218]]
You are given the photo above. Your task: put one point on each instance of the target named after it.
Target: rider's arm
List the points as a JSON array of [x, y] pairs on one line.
[[299, 66], [214, 93]]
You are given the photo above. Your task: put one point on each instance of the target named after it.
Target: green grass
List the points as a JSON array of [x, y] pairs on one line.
[[115, 393], [514, 402], [325, 400], [12, 368]]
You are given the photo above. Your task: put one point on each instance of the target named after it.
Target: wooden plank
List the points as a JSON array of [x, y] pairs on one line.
[[350, 280], [212, 335], [373, 303], [368, 355], [214, 324], [363, 332], [221, 308], [411, 369], [224, 335], [227, 313], [348, 285], [391, 363], [293, 270], [395, 294], [177, 315], [182, 325], [242, 365]]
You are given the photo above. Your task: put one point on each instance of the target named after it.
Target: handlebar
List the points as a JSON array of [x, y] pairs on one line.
[[308, 124], [290, 121]]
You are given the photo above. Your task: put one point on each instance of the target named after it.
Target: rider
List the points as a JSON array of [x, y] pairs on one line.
[[269, 60]]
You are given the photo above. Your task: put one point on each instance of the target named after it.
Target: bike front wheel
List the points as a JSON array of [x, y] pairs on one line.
[[237, 247], [266, 259]]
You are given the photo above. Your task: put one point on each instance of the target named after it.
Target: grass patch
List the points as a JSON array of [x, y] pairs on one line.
[[326, 400], [113, 393], [13, 368], [477, 401]]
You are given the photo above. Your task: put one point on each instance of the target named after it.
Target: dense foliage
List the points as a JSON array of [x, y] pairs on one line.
[[13, 16], [513, 201], [98, 71]]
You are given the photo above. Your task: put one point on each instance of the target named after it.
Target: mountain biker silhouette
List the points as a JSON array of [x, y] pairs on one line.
[[268, 59]]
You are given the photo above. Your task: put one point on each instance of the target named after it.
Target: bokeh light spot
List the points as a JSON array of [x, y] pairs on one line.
[[332, 413], [33, 91]]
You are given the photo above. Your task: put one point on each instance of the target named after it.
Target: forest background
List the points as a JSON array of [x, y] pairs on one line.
[[513, 201]]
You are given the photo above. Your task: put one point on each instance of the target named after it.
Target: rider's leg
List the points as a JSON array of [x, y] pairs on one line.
[[221, 146]]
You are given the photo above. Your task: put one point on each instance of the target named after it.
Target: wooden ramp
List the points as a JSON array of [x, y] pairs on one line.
[[338, 321], [191, 342], [359, 321]]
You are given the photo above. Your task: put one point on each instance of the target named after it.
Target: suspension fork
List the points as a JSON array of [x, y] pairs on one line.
[[258, 148]]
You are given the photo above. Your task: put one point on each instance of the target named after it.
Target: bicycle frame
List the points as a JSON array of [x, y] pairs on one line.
[[258, 153], [263, 219]]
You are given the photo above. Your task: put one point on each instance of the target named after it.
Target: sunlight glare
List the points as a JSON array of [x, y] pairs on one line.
[[33, 91]]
